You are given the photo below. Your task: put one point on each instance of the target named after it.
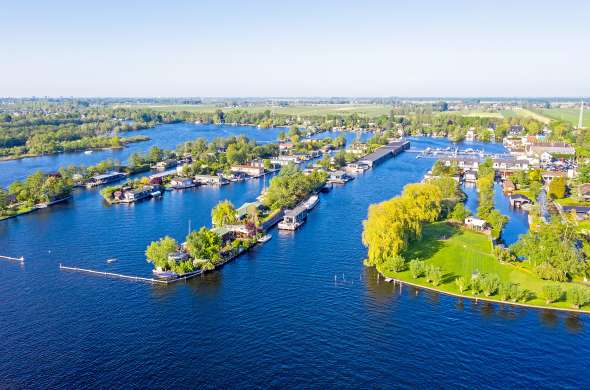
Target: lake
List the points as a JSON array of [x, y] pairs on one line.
[[300, 311]]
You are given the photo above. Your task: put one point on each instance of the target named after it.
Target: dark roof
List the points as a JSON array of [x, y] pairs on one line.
[[519, 196], [578, 209]]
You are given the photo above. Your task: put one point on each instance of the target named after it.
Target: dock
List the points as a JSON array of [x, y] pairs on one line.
[[19, 259], [384, 152]]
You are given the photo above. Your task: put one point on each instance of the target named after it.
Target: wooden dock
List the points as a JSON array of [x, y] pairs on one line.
[[19, 259], [127, 277]]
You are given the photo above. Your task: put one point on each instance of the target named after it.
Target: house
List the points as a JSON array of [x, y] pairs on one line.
[[582, 212], [356, 167], [470, 176], [538, 148], [339, 177], [518, 200], [285, 146], [134, 195], [105, 178], [470, 135], [508, 164], [508, 186], [475, 223], [550, 175], [284, 160], [464, 163], [242, 211], [163, 165], [584, 191], [210, 179], [181, 182], [249, 170], [178, 256]]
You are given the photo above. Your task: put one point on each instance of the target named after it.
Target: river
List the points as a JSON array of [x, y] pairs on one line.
[[300, 311]]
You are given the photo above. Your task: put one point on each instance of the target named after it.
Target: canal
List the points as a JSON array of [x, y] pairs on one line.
[[300, 311]]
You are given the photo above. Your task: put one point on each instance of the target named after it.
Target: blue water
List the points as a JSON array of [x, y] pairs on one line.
[[299, 312], [163, 136]]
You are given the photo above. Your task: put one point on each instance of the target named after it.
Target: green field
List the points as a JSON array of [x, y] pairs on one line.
[[524, 113], [460, 252], [370, 110], [567, 114]]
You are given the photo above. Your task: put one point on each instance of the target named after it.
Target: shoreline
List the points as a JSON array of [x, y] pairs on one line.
[[485, 299]]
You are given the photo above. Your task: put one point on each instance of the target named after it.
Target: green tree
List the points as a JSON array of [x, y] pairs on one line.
[[578, 296], [203, 244], [557, 188], [462, 283], [459, 213], [157, 252], [552, 293], [224, 213], [416, 268]]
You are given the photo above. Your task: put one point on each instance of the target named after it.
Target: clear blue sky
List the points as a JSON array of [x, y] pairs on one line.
[[299, 48]]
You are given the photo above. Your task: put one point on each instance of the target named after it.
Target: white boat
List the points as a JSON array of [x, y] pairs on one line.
[[312, 202], [165, 274], [111, 260], [88, 152], [264, 238], [388, 280], [156, 194]]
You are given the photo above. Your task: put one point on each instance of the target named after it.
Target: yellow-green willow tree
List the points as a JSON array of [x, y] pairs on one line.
[[392, 224]]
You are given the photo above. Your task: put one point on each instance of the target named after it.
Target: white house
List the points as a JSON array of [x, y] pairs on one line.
[[475, 223]]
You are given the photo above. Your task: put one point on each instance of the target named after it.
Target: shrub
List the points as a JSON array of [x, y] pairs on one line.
[[462, 283], [475, 285], [552, 293], [433, 275], [417, 268], [398, 263], [578, 296], [505, 290], [489, 284]]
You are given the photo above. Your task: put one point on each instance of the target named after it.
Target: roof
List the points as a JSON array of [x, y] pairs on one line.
[[377, 154], [584, 187], [518, 196], [243, 209], [578, 209], [475, 221], [297, 210], [106, 175]]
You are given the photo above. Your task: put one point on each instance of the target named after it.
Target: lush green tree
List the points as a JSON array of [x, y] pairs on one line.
[[489, 284], [459, 213], [462, 283], [578, 296], [552, 293], [417, 268], [157, 252], [557, 188], [224, 213], [203, 244], [434, 275]]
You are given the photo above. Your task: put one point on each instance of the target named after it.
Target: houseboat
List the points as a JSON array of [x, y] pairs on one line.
[[105, 178], [294, 218], [312, 202], [339, 177], [180, 183]]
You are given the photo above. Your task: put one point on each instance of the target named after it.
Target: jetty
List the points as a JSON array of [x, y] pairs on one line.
[[392, 149], [19, 259]]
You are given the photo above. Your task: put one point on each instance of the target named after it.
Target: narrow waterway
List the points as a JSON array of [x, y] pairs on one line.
[[300, 311]]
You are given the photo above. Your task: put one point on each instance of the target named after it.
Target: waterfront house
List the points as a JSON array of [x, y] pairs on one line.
[[463, 163], [470, 176], [357, 167], [550, 175], [105, 178], [178, 256], [475, 223], [250, 170], [163, 165], [182, 182], [339, 177], [518, 200], [284, 160], [242, 211], [133, 195], [581, 212], [210, 179], [294, 218]]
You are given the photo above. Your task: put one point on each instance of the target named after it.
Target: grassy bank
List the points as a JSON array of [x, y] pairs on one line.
[[460, 252]]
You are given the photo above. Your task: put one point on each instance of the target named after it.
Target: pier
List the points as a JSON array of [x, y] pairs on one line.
[[19, 259], [130, 277], [456, 153]]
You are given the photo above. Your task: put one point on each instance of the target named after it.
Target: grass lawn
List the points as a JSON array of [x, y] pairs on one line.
[[524, 113], [570, 115], [459, 252], [526, 192]]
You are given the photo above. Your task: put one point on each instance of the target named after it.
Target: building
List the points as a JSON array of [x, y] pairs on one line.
[[294, 218], [470, 176], [508, 186], [105, 178], [249, 170], [518, 200], [507, 164], [537, 148], [463, 163], [163, 165], [475, 223], [211, 179], [242, 211], [182, 182], [134, 195], [582, 212]]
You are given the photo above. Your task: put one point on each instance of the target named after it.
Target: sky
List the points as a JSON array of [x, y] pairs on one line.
[[295, 48]]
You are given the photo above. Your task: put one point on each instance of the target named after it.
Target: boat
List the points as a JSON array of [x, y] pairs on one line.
[[312, 202], [388, 280], [111, 260], [264, 238], [326, 188], [88, 152], [165, 274], [156, 194]]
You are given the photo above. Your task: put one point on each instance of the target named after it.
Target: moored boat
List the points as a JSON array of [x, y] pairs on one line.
[[312, 202], [165, 274], [264, 238]]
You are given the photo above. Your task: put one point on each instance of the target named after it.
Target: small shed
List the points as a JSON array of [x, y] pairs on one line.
[[475, 223]]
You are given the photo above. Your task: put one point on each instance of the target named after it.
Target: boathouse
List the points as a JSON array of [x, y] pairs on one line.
[[105, 178], [518, 200]]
